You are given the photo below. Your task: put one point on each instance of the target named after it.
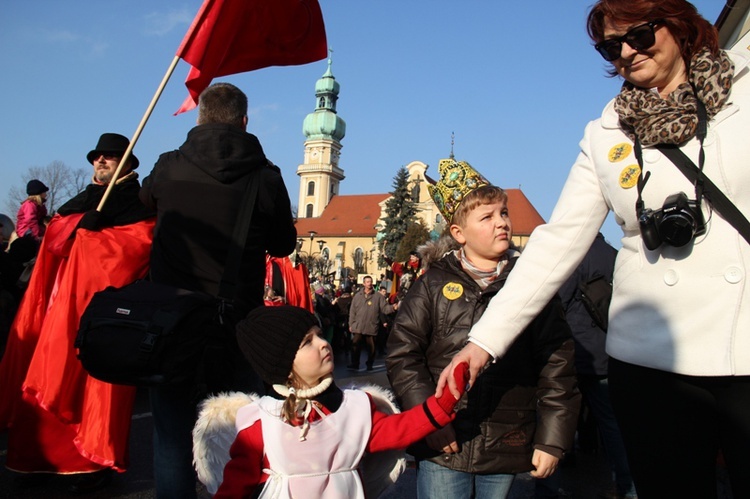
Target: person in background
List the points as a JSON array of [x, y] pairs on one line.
[[385, 324], [364, 321], [521, 414], [31, 214], [679, 319], [404, 273], [60, 419], [197, 191], [591, 362], [342, 340]]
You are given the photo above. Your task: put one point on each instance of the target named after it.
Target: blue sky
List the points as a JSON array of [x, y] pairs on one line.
[[515, 81]]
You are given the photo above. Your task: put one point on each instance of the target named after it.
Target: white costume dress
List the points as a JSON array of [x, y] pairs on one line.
[[325, 464]]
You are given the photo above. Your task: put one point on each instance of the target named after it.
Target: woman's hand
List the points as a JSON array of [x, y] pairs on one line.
[[545, 464], [443, 439], [473, 355]]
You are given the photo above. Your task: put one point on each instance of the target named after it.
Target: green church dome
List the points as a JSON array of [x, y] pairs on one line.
[[324, 123]]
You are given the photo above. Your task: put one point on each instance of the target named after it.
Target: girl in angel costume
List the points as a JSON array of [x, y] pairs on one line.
[[309, 439]]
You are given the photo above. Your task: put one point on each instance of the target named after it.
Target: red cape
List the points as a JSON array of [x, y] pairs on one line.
[[60, 419], [296, 282]]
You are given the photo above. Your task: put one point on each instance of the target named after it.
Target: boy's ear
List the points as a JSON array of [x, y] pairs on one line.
[[458, 234]]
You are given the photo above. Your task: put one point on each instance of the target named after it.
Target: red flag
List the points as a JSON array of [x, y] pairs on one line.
[[234, 36]]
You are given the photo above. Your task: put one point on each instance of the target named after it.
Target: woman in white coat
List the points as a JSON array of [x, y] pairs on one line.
[[679, 327]]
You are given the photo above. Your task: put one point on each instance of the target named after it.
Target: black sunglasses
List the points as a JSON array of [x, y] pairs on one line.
[[640, 37]]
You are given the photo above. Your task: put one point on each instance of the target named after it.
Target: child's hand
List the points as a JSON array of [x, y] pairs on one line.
[[443, 440], [545, 464], [461, 376]]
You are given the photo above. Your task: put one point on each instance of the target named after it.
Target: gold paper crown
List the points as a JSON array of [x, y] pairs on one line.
[[457, 179]]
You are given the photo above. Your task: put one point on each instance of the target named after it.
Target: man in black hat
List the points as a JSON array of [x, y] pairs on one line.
[[60, 420], [197, 191], [123, 206]]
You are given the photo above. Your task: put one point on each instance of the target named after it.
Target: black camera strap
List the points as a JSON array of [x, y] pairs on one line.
[[718, 199], [703, 185]]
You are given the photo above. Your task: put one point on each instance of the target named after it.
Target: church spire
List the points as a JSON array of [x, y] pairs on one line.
[[324, 123], [320, 173]]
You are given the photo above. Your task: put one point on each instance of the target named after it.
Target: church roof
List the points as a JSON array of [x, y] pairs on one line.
[[356, 216], [523, 215], [345, 216]]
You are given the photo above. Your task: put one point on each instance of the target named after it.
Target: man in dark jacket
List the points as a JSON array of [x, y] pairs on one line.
[[591, 359], [364, 321], [197, 191]]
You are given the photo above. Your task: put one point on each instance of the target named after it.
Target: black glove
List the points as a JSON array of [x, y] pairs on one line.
[[94, 220]]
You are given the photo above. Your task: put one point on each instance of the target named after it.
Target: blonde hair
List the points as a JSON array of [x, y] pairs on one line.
[[487, 194], [37, 198]]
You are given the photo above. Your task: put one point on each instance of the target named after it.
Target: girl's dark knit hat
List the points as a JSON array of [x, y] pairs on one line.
[[269, 338], [35, 187]]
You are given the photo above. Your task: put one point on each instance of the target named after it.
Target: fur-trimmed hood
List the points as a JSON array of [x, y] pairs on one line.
[[432, 251]]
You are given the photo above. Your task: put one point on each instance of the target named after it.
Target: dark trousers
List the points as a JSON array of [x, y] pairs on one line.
[[673, 427], [357, 340]]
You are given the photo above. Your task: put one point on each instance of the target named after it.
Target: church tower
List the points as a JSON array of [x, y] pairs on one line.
[[320, 173]]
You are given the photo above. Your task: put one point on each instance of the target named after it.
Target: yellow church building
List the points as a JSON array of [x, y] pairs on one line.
[[340, 231]]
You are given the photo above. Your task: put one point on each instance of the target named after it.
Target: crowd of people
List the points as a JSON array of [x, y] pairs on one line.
[[491, 353]]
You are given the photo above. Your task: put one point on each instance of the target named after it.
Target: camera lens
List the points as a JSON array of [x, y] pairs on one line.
[[677, 229]]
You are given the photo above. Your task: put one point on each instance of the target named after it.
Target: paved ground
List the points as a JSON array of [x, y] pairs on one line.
[[581, 479]]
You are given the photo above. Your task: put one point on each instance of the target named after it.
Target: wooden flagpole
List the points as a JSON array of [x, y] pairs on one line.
[[126, 155]]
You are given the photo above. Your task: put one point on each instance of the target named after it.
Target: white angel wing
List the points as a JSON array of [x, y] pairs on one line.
[[213, 435], [381, 470]]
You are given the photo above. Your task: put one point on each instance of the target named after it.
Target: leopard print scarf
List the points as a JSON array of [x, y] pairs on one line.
[[674, 120]]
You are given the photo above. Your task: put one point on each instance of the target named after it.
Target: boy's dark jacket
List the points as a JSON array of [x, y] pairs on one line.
[[528, 399]]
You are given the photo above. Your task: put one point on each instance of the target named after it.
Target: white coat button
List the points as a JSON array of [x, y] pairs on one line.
[[651, 156], [671, 277], [733, 275]]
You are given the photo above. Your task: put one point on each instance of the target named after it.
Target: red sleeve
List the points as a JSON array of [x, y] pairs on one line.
[[244, 471], [398, 431]]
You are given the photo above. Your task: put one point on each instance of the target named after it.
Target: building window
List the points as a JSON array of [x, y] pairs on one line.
[[311, 188], [322, 102], [359, 260], [308, 211]]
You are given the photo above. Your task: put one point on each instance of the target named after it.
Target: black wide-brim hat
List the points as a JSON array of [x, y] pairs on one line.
[[112, 143]]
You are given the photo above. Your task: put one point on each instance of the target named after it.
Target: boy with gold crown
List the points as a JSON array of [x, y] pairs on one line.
[[521, 414]]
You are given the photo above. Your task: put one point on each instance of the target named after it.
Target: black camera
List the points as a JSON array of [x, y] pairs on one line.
[[677, 222]]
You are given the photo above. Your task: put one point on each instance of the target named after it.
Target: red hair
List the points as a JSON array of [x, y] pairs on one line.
[[691, 30]]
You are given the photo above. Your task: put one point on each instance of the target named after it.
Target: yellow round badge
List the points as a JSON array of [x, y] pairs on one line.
[[629, 176], [620, 152], [453, 290]]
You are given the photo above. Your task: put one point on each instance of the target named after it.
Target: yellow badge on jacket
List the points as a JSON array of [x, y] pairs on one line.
[[453, 290], [620, 152], [629, 176]]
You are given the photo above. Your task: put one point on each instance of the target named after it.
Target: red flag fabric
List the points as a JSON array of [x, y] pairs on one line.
[[234, 36]]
